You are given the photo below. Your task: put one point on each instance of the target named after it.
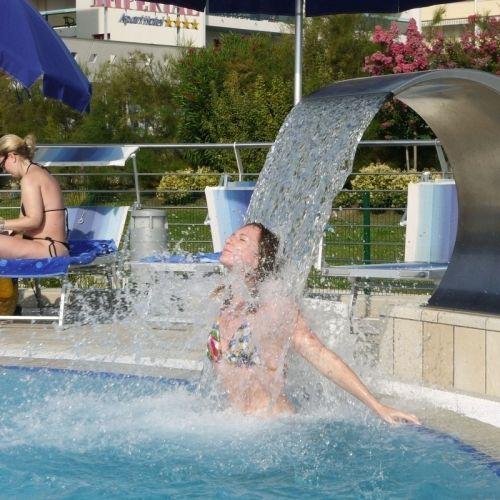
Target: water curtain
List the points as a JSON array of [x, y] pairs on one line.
[[305, 169]]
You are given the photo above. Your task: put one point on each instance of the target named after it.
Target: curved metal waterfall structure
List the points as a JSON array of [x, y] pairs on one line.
[[463, 109]]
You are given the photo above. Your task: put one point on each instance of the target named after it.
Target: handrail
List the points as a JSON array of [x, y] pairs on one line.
[[234, 146], [239, 145]]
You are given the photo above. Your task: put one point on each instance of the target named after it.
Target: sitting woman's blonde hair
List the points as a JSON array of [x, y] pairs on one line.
[[11, 143]]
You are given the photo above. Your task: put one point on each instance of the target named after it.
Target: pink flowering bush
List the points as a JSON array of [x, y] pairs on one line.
[[477, 48], [397, 56]]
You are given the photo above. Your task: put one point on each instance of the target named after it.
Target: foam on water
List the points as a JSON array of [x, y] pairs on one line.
[[64, 435]]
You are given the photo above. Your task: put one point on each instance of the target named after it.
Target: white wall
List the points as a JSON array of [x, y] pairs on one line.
[[462, 10], [152, 24], [93, 53]]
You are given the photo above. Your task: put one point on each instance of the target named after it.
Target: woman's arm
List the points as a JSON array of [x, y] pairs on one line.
[[31, 198], [307, 344]]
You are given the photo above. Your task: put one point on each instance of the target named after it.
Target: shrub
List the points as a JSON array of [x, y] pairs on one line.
[[388, 186], [345, 199], [185, 185], [477, 48], [239, 90]]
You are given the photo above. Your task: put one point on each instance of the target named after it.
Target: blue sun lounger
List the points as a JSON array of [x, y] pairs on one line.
[[226, 205], [205, 262], [94, 236], [431, 227]]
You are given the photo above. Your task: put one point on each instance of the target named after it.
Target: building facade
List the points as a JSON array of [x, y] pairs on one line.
[[98, 31], [456, 15]]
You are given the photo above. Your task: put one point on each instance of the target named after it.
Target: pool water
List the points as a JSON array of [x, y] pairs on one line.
[[64, 434]]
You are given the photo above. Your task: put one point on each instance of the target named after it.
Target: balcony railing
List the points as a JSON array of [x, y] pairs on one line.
[[60, 18]]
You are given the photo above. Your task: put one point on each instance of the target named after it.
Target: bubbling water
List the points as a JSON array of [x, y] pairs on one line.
[[305, 169]]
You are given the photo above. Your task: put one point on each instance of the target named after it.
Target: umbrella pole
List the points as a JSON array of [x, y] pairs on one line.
[[297, 88]]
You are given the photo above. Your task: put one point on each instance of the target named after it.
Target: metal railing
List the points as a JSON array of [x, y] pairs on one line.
[[361, 229], [60, 18]]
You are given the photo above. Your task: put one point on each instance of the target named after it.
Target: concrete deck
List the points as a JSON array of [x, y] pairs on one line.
[[174, 352]]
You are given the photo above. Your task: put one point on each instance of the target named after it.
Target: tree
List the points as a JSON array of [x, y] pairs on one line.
[[335, 48], [478, 47], [240, 90], [23, 112], [132, 102]]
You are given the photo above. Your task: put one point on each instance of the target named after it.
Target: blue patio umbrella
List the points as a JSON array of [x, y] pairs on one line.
[[312, 7], [296, 8], [30, 49]]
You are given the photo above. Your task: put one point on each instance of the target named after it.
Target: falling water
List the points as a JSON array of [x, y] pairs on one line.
[[306, 168]]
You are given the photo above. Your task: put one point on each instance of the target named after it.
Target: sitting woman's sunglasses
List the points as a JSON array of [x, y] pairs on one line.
[[2, 163]]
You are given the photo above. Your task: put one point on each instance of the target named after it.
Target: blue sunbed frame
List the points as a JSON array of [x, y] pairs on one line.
[[95, 234]]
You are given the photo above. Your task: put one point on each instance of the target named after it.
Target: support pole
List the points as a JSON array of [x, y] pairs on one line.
[[442, 160], [367, 236], [239, 163], [297, 89], [106, 34], [136, 182]]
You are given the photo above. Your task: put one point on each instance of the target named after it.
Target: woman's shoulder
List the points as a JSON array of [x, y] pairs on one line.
[[29, 181], [42, 177], [34, 173]]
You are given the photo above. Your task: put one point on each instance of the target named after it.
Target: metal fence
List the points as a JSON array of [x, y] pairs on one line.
[[362, 229]]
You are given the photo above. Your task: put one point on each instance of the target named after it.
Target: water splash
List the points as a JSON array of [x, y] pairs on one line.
[[74, 436], [305, 169]]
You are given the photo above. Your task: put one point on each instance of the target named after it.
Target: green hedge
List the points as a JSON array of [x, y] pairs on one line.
[[180, 187], [388, 187]]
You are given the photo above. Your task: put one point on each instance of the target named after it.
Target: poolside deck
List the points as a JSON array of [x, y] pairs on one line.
[[172, 352]]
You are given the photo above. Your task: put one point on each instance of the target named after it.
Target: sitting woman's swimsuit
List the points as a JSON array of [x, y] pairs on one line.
[[240, 351], [52, 245]]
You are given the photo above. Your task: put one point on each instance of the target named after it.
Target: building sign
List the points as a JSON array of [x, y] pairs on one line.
[[160, 22], [145, 7], [140, 22]]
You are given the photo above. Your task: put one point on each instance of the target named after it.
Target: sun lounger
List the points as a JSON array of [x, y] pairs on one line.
[[395, 270], [227, 206], [94, 236], [183, 263], [431, 226]]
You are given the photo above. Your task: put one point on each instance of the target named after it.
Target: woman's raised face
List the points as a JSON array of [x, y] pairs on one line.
[[242, 248]]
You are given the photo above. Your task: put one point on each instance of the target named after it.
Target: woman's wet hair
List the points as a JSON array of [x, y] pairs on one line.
[[268, 249], [11, 143]]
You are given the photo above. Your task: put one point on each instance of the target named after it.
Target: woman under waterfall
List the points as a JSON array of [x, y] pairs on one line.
[[256, 327]]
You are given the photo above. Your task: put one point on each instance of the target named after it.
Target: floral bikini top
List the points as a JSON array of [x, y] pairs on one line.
[[240, 351]]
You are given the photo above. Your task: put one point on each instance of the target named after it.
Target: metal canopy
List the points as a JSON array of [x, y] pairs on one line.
[[84, 156], [463, 109]]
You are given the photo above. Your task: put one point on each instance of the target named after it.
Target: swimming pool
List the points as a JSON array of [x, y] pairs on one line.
[[65, 434]]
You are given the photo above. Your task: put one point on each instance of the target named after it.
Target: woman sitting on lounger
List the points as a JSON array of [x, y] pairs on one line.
[[42, 224], [255, 328]]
